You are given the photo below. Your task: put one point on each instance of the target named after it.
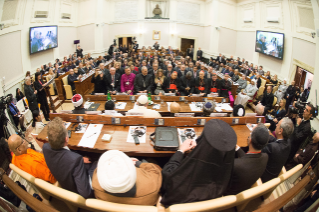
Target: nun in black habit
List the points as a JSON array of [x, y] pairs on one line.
[[204, 173]]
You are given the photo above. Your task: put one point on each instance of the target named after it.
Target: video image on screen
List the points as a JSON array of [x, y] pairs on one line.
[[270, 43], [43, 38]]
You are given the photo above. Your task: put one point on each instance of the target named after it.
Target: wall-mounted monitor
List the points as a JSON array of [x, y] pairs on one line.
[[43, 38], [270, 43]]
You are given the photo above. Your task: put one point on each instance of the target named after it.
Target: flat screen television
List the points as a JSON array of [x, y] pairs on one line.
[[43, 38], [270, 43]]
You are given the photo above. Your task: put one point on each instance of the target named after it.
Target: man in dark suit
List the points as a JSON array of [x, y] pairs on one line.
[[143, 82], [249, 167], [69, 168], [214, 84], [173, 85], [111, 49], [267, 100], [152, 71], [221, 59], [187, 84], [290, 94], [302, 130], [81, 69], [114, 81], [78, 61], [277, 150], [182, 71], [190, 52], [199, 54], [156, 45], [31, 95]]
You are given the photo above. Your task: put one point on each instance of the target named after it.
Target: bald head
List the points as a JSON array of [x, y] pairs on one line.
[[16, 145]]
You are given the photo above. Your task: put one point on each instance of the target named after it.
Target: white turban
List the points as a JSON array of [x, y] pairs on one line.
[[142, 99], [115, 172]]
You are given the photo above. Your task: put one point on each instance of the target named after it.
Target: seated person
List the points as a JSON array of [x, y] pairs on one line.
[[249, 167], [77, 101], [206, 171], [247, 94], [242, 83], [131, 181], [99, 81], [201, 85], [311, 199], [236, 76], [142, 102], [276, 116], [225, 86], [109, 109], [114, 81], [160, 83], [69, 168], [28, 159], [267, 100], [17, 117], [277, 149], [259, 109], [304, 155], [173, 85], [208, 108], [187, 84], [127, 81], [37, 122], [71, 78], [143, 81], [214, 85]]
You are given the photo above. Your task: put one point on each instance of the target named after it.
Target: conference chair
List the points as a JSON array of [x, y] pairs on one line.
[[100, 205], [260, 90], [31, 179], [264, 190], [67, 88], [218, 204], [72, 200], [275, 89], [263, 82]]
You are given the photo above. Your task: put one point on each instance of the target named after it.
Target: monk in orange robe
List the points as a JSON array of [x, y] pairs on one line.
[[29, 160]]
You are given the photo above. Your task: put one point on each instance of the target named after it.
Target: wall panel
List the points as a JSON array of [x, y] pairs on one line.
[[304, 51], [86, 35], [41, 58], [270, 63], [245, 45], [67, 35], [227, 41], [148, 36]]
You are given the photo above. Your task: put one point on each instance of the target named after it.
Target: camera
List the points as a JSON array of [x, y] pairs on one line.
[[298, 108]]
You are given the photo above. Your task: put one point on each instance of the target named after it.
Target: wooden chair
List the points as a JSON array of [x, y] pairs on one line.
[[67, 88], [248, 195], [275, 89], [275, 101], [260, 91], [28, 177], [100, 205], [71, 199]]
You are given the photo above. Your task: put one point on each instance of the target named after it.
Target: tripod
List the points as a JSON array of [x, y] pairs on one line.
[[5, 122]]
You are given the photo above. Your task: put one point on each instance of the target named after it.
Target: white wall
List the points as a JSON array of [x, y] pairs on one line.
[[304, 51], [66, 37], [227, 41], [245, 45], [86, 35]]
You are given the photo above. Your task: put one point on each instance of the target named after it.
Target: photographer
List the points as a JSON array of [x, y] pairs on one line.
[[302, 130], [17, 117], [289, 95]]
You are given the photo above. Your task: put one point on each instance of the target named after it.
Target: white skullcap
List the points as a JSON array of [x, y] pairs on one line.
[[115, 172], [77, 100], [142, 99]]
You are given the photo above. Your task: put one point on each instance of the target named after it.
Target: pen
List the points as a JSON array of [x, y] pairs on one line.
[[91, 135]]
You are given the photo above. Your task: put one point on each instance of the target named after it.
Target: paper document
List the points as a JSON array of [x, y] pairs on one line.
[[223, 106], [186, 133], [251, 126], [196, 106], [88, 104], [120, 105], [169, 106], [67, 124], [156, 106], [91, 135], [138, 132]]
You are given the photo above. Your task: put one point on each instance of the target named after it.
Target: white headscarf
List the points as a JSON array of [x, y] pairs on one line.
[[115, 172]]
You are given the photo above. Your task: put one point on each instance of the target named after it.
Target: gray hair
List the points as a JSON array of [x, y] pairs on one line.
[[144, 67], [287, 126], [189, 73], [259, 109], [112, 68]]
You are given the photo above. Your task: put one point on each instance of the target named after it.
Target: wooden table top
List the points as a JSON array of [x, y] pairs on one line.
[[119, 137]]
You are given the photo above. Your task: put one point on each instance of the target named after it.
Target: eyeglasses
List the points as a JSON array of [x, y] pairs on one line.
[[20, 144]]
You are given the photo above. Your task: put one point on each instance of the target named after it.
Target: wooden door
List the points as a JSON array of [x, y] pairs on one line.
[[186, 43]]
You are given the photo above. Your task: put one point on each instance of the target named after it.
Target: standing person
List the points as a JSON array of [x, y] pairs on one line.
[[135, 47], [99, 81], [199, 54], [42, 96], [156, 46], [190, 52], [31, 95], [290, 94], [18, 118], [79, 51], [127, 81], [280, 93]]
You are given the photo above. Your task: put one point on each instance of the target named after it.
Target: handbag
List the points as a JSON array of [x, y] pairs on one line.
[[165, 139]]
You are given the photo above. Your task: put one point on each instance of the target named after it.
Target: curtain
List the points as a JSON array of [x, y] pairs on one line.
[[163, 5]]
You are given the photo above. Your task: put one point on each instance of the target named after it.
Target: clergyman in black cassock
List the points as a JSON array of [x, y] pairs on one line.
[[205, 172]]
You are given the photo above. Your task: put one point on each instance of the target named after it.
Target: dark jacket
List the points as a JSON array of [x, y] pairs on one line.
[[278, 152], [117, 82], [31, 97], [197, 86], [41, 93], [247, 170], [215, 84], [267, 100], [290, 92], [100, 84], [139, 84], [71, 80], [68, 168], [225, 86], [187, 83], [258, 82]]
